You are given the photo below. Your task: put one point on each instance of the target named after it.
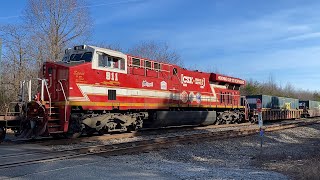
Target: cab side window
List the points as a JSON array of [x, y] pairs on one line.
[[102, 60], [116, 63], [107, 61]]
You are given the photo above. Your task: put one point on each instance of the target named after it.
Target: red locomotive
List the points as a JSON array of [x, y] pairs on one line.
[[100, 90]]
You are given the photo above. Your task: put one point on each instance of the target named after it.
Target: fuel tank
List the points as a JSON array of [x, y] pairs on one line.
[[178, 118]]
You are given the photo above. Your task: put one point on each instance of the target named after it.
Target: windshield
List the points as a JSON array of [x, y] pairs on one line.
[[87, 57]]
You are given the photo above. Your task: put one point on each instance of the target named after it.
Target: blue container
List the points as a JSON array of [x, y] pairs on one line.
[[285, 103]]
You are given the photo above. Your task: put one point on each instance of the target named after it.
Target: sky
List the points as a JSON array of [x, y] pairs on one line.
[[248, 39]]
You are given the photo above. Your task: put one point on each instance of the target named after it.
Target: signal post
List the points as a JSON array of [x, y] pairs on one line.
[[260, 121]]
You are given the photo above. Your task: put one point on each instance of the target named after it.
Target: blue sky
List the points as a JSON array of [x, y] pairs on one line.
[[243, 38]]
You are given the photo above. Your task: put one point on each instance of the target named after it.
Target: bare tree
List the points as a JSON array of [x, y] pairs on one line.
[[251, 88], [115, 47], [56, 24], [288, 90], [17, 64], [156, 51], [16, 56], [49, 27], [271, 88]]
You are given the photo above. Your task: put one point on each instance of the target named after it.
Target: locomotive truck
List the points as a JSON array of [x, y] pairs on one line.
[[101, 90]]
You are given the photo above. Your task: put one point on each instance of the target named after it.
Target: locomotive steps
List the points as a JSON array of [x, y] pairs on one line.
[[146, 144]]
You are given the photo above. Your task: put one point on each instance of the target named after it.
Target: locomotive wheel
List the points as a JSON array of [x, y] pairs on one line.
[[226, 117], [2, 134]]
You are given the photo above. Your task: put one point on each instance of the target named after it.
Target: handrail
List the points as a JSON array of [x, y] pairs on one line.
[[49, 96], [65, 98], [44, 83]]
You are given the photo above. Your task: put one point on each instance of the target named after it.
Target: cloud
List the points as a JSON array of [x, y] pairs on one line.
[[277, 41], [239, 36], [111, 3], [278, 60], [299, 28], [134, 10], [298, 66], [249, 35], [92, 5], [305, 36], [10, 17]]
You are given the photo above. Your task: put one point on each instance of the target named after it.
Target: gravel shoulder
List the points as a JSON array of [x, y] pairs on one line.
[[286, 154], [292, 152]]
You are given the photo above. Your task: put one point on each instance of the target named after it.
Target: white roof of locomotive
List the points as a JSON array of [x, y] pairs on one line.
[[107, 51]]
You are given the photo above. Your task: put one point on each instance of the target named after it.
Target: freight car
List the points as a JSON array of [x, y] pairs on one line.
[[10, 119], [274, 107], [310, 108], [100, 90]]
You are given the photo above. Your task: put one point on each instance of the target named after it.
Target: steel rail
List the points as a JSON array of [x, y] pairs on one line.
[[151, 144]]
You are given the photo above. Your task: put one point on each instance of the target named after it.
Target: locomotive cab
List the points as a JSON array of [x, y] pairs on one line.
[[79, 54], [100, 58]]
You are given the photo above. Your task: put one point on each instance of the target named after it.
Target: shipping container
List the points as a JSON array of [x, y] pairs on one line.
[[265, 101], [311, 108], [309, 104], [273, 102], [286, 103]]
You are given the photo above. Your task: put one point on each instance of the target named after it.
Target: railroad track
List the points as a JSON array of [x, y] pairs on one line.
[[144, 145], [171, 140], [144, 132]]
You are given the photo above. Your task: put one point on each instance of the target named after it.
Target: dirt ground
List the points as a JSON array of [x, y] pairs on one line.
[[296, 160], [294, 153], [286, 154]]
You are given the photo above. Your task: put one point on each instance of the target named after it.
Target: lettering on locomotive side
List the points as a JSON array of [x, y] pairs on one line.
[[186, 80], [191, 80], [147, 84], [230, 79], [77, 73], [79, 76], [112, 76], [201, 82]]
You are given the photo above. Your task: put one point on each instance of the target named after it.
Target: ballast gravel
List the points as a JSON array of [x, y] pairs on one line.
[[286, 154]]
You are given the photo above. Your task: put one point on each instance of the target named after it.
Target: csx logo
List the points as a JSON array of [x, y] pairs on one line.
[[190, 80], [186, 79]]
